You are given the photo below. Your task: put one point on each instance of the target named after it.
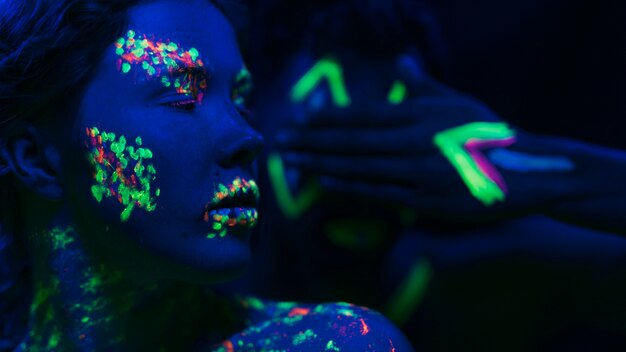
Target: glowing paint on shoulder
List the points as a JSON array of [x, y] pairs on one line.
[[242, 89], [303, 336]]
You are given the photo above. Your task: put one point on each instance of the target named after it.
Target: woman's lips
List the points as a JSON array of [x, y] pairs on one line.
[[223, 219], [232, 208]]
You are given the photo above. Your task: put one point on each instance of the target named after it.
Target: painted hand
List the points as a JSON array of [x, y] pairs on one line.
[[425, 150]]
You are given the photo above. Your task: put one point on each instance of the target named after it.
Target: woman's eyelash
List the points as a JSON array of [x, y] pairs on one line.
[[186, 105]]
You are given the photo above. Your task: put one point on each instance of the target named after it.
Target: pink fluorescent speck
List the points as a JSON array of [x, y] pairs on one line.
[[474, 146]]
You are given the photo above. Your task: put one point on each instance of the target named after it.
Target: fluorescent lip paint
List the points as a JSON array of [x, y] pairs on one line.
[[233, 208]]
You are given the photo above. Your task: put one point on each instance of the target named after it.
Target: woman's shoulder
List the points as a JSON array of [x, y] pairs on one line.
[[291, 326]]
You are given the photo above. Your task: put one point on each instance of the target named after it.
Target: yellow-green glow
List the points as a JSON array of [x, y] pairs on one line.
[[409, 294], [451, 144], [397, 94], [326, 68], [292, 207]]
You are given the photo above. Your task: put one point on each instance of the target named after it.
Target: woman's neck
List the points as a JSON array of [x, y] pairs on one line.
[[83, 304]]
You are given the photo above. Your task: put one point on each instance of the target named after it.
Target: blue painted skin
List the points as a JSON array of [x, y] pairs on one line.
[[215, 138], [159, 301]]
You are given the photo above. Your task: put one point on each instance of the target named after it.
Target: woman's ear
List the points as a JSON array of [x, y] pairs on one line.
[[34, 161]]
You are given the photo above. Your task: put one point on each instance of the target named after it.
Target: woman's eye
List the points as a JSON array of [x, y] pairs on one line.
[[185, 105]]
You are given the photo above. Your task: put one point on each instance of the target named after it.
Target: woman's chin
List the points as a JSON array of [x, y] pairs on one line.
[[204, 261]]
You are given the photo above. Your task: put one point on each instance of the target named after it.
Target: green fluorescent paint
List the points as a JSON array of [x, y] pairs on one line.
[[330, 346], [301, 337], [451, 144], [326, 68], [397, 94], [121, 171], [242, 90], [409, 294], [292, 207]]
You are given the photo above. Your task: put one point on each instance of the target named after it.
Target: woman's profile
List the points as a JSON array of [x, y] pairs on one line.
[[126, 156]]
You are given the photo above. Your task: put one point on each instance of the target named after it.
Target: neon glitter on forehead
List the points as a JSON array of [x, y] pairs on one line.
[[461, 146], [121, 171], [292, 206], [223, 218], [163, 60]]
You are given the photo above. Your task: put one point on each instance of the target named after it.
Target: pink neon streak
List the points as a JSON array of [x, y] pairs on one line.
[[473, 147]]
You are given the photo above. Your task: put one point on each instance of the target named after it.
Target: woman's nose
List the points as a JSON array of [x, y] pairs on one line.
[[241, 150]]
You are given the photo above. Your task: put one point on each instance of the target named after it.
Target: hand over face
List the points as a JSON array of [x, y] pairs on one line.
[[423, 151]]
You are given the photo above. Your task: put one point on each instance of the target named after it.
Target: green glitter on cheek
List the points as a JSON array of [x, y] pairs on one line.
[[121, 172]]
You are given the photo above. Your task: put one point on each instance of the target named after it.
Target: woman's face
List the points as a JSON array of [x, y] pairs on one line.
[[161, 154]]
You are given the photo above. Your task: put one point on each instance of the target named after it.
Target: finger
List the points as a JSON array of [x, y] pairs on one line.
[[349, 140], [377, 169]]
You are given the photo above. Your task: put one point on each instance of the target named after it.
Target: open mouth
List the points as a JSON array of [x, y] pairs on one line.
[[233, 207]]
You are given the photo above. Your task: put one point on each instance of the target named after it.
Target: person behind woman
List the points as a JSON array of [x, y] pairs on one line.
[[126, 157], [361, 134]]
